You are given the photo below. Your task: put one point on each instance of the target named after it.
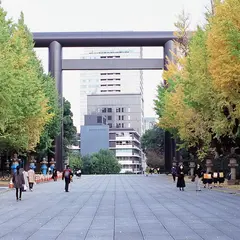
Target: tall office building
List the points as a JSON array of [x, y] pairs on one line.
[[109, 82], [123, 142], [121, 110], [149, 123]]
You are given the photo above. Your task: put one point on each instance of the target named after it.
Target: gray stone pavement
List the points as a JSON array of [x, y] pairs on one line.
[[126, 207]]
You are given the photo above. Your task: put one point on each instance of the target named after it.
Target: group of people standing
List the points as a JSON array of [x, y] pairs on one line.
[[199, 175]]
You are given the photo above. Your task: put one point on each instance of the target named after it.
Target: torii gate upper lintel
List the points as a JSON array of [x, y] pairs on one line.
[[54, 41]]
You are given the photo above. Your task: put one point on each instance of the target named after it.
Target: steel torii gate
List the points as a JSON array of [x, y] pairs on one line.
[[55, 41]]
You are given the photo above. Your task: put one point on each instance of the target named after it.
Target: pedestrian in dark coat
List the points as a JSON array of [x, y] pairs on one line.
[[174, 173], [67, 175], [181, 182], [18, 181], [55, 175]]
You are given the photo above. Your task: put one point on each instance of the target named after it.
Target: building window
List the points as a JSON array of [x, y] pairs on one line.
[[122, 109], [110, 125], [129, 110], [104, 110], [118, 109], [122, 117], [123, 125], [118, 125], [129, 117], [129, 125], [109, 118], [119, 117], [109, 110], [99, 119], [104, 121]]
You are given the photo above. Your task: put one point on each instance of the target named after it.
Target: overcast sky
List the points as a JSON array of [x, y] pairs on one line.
[[104, 15]]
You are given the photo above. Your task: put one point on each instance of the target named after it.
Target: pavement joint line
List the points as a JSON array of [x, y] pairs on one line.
[[114, 230], [195, 216], [152, 204], [79, 211], [58, 213], [27, 221], [211, 191], [97, 208], [133, 210], [213, 214], [24, 222], [155, 214]]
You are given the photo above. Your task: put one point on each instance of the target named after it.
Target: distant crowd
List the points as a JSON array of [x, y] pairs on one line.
[[208, 179], [25, 180]]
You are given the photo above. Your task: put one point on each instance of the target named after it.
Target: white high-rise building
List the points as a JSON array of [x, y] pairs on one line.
[[112, 81]]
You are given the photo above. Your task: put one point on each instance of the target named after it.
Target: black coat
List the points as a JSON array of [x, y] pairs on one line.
[[180, 181], [198, 172]]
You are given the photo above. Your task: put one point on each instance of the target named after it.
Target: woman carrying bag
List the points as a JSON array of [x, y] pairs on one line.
[[18, 181]]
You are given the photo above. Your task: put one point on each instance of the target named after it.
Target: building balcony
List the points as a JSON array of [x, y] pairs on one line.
[[124, 154], [127, 154], [124, 146], [129, 162], [126, 138], [133, 169]]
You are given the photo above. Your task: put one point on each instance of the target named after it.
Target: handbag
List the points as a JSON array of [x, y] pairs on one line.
[[24, 188]]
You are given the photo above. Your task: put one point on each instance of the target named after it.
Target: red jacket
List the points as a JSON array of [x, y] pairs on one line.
[[67, 173]]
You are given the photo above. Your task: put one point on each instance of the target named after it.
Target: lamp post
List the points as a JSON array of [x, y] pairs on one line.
[[15, 162], [44, 166], [32, 163], [52, 164]]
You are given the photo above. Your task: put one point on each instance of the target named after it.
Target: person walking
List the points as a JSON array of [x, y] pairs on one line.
[[174, 173], [25, 176], [79, 173], [31, 178], [198, 175], [18, 181], [55, 175], [181, 182], [67, 175]]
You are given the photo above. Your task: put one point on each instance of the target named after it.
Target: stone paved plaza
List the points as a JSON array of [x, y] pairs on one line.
[[119, 207]]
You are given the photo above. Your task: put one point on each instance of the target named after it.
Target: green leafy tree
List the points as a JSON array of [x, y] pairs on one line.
[[75, 161], [87, 167], [154, 160], [103, 162], [153, 140], [70, 131], [24, 110], [52, 129]]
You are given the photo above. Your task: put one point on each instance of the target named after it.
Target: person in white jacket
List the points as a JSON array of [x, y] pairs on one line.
[[31, 178]]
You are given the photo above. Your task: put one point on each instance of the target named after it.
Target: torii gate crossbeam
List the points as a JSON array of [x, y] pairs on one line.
[[56, 40]]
